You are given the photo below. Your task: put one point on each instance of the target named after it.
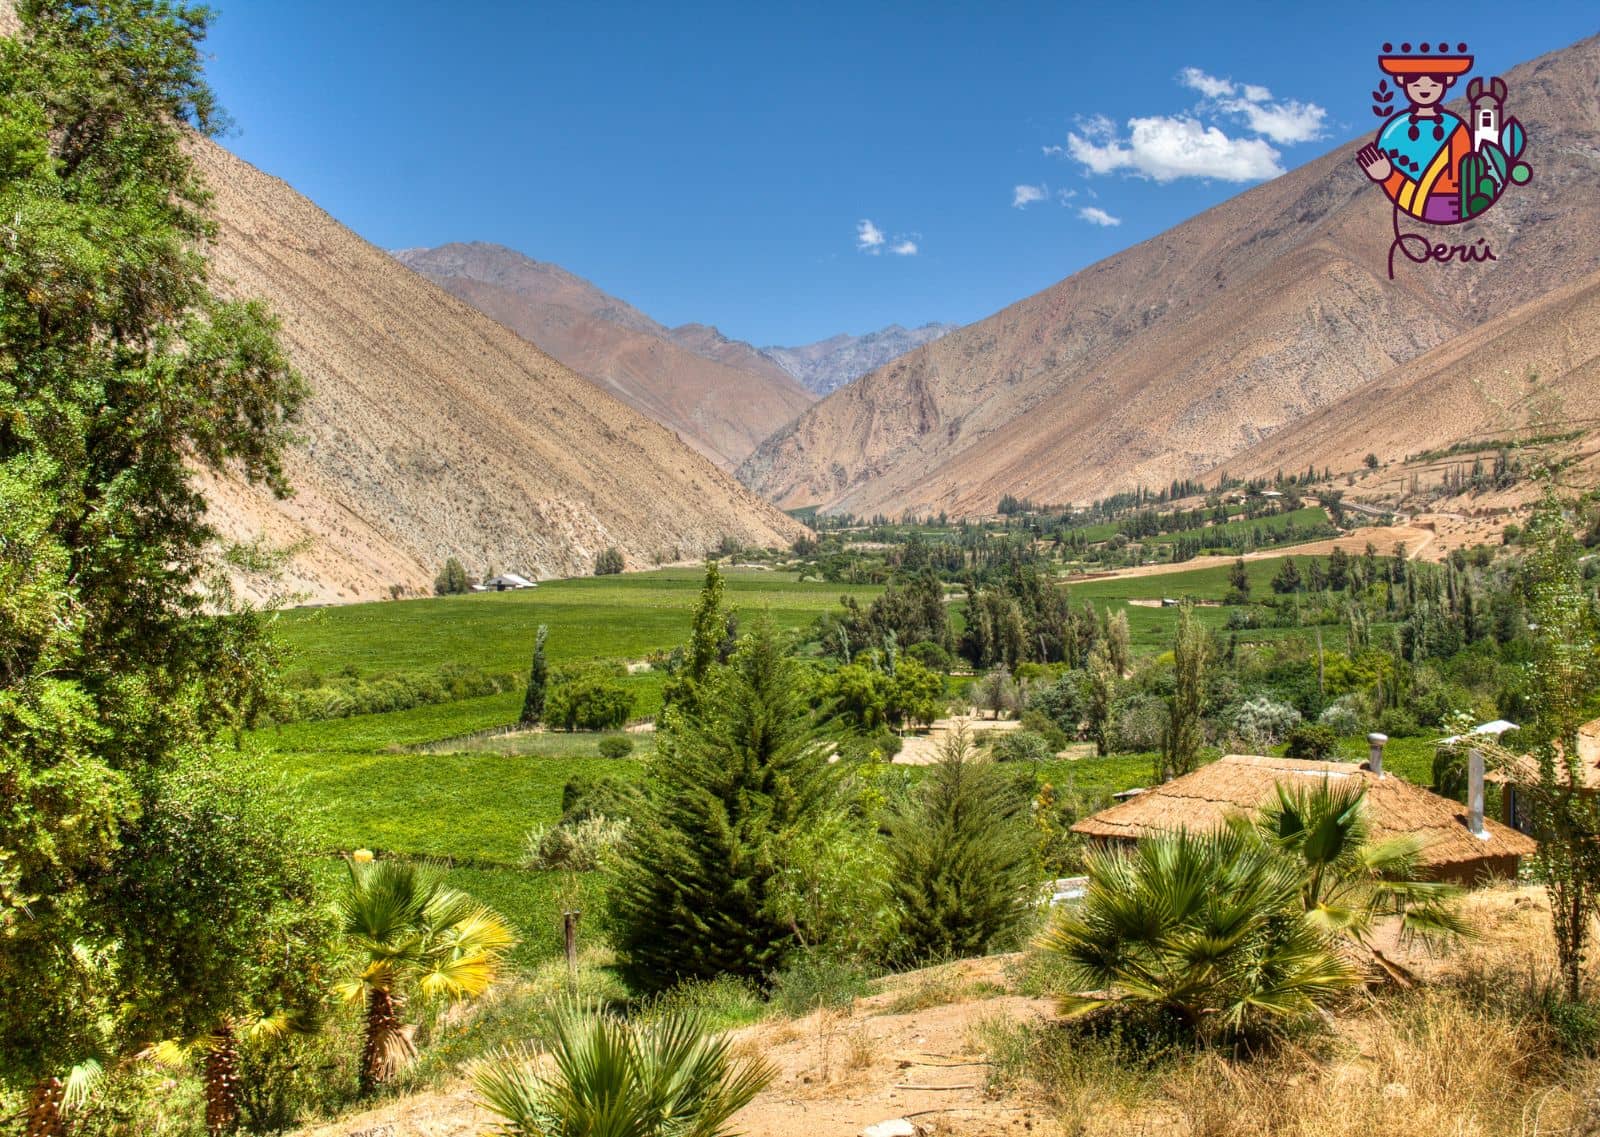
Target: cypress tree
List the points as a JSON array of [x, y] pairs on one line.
[[1180, 749], [959, 857], [744, 768], [538, 680]]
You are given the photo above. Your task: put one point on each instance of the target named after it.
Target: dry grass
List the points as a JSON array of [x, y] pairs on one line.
[[1472, 1053]]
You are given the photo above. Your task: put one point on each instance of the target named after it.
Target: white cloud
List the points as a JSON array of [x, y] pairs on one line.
[[1254, 93], [1286, 123], [1023, 196], [1097, 216], [904, 247], [869, 238], [1208, 85], [1066, 195], [1167, 147]]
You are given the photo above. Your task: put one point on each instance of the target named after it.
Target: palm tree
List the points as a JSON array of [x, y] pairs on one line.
[[217, 1054], [410, 932], [1349, 879], [612, 1078], [1207, 928]]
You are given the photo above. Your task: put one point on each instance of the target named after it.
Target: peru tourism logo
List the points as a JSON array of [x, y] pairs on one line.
[[1436, 168]]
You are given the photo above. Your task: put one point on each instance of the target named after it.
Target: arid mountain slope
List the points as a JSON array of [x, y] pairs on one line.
[[721, 395], [1533, 372], [433, 431], [1173, 356]]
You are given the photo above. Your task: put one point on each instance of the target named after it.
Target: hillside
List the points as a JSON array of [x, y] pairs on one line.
[[1196, 345], [722, 396], [433, 431], [825, 366]]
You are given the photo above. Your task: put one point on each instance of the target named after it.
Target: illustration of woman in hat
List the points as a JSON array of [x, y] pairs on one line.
[[1417, 155]]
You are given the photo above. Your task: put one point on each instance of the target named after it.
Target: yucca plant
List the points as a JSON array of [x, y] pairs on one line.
[[412, 933], [607, 1077], [1207, 928], [1350, 879]]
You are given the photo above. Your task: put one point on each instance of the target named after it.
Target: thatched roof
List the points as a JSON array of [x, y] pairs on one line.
[[1524, 768], [1242, 783]]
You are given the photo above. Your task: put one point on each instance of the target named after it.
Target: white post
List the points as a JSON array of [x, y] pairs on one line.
[[1375, 742], [1475, 794]]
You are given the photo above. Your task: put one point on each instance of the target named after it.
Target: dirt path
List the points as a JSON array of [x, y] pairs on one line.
[[923, 749], [1384, 538]]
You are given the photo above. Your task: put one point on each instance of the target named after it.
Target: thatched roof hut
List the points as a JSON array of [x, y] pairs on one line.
[[1243, 783]]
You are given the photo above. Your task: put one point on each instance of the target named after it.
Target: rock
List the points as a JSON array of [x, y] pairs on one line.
[[894, 1127]]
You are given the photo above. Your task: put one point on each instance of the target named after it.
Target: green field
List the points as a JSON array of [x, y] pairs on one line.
[[601, 617]]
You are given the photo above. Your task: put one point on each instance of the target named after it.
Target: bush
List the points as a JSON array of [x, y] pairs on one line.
[[1397, 722], [1261, 722], [1141, 723], [606, 796], [452, 579], [1020, 746], [608, 563], [619, 746], [1312, 742], [589, 702], [873, 746], [931, 656], [581, 846], [1061, 701], [1041, 724], [815, 980], [1344, 716]]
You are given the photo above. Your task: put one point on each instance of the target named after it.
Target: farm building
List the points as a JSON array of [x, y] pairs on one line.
[[1458, 844], [505, 582], [1522, 769]]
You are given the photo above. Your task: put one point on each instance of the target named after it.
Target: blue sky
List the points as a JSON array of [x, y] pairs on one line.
[[791, 171]]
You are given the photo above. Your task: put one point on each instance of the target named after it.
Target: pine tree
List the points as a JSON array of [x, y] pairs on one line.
[[538, 681], [710, 627], [959, 857], [1288, 578], [745, 769]]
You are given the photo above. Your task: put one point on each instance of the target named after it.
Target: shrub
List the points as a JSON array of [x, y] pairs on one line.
[[1141, 721], [452, 579], [580, 846], [814, 980], [1261, 722], [1397, 722], [931, 656], [665, 1077], [1344, 716], [1044, 726], [608, 563], [606, 796], [1061, 701], [618, 746], [1020, 746], [1313, 742], [590, 702], [1207, 929]]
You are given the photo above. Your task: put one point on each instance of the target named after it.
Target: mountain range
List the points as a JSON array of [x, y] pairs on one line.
[[1263, 332], [723, 396], [432, 431]]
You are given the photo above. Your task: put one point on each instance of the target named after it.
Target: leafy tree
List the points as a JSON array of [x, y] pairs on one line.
[[122, 372], [859, 694], [1101, 700], [538, 680], [1061, 701], [1119, 642], [609, 562], [1185, 732], [997, 692], [452, 579], [916, 694], [410, 933], [591, 700], [1565, 817], [1238, 583], [1207, 928], [1312, 742], [743, 770], [666, 1078], [959, 857]]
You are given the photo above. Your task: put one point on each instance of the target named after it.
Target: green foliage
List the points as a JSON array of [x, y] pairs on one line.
[[997, 692], [1185, 732], [1020, 746], [667, 1078], [410, 933], [1099, 711], [706, 633], [819, 979], [591, 700], [1208, 929], [959, 854], [737, 774], [618, 746], [1312, 742], [122, 372], [609, 562], [452, 579], [538, 681]]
